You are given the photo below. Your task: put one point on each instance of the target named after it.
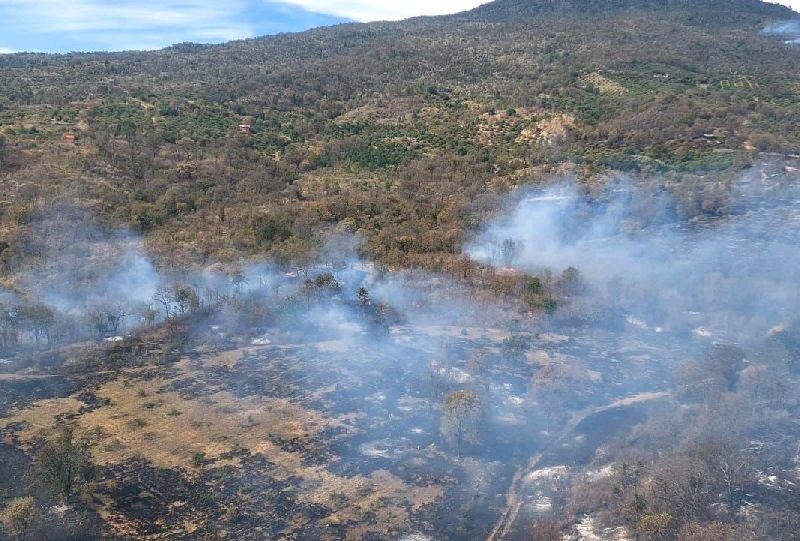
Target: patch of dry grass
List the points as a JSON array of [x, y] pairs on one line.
[[142, 418]]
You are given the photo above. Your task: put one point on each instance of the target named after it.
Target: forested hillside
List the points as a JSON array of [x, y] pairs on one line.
[[405, 132]]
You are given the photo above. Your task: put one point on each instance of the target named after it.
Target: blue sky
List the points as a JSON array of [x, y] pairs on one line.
[[112, 25], [97, 25]]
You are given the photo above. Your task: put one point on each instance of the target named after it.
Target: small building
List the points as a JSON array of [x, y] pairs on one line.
[[246, 129], [69, 138]]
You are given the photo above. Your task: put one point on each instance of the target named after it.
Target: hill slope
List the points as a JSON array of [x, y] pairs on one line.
[[397, 130]]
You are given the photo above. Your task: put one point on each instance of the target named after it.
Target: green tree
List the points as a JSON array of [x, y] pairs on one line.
[[319, 286], [19, 516], [462, 413], [40, 320], [64, 463], [106, 319], [270, 228], [533, 285], [572, 282], [186, 299]]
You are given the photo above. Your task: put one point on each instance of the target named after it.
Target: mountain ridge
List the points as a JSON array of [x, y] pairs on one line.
[[508, 9]]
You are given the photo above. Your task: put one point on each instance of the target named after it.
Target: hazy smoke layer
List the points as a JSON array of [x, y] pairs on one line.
[[784, 28], [125, 276], [730, 272], [734, 274], [788, 29], [104, 284]]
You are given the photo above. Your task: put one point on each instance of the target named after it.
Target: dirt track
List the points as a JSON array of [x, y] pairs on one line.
[[513, 501]]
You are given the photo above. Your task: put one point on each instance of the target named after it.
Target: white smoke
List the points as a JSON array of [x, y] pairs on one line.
[[739, 272]]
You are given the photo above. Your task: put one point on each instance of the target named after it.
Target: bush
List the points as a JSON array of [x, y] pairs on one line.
[[64, 463], [270, 228], [19, 516]]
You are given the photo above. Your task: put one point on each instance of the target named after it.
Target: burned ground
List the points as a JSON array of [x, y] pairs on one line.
[[306, 407], [331, 438]]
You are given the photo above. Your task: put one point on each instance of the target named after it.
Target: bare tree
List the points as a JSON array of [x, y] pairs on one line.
[[107, 319], [436, 378], [147, 315], [9, 327], [731, 470], [163, 297]]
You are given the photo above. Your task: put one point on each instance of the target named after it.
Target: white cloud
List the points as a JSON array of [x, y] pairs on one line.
[[212, 18], [6, 50], [147, 24], [380, 10]]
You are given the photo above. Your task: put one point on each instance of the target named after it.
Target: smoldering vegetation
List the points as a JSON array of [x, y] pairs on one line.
[[336, 338], [728, 272], [719, 285], [636, 376], [83, 281]]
